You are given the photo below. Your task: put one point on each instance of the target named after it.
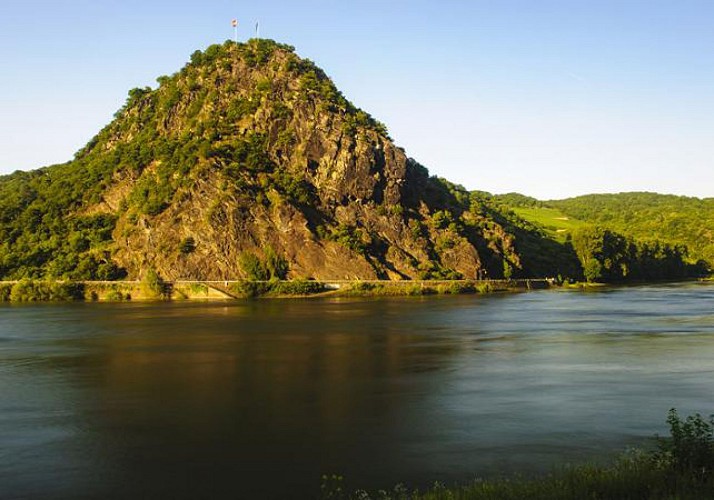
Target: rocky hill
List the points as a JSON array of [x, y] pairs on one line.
[[249, 161]]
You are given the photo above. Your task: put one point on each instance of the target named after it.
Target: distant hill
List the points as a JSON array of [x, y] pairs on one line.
[[659, 226], [649, 216]]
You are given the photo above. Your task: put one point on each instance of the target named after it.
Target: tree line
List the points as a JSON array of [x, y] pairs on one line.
[[607, 256]]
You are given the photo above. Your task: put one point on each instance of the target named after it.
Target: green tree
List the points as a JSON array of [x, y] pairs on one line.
[[187, 245], [152, 285], [276, 266], [592, 270], [253, 267]]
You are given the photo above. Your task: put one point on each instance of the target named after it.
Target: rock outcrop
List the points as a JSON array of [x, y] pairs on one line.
[[251, 150]]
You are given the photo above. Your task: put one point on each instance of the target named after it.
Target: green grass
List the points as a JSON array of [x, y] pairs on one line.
[[681, 467], [555, 222], [418, 288]]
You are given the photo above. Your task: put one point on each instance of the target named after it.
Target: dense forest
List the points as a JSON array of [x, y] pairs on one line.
[[626, 236], [676, 220]]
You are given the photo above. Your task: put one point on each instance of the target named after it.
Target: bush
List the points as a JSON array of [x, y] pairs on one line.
[[272, 267], [249, 289], [187, 245], [681, 468], [5, 289], [109, 271], [456, 288], [388, 289], [115, 295], [25, 291], [361, 286], [198, 288], [153, 285], [298, 287], [67, 291], [44, 291], [252, 267], [276, 265], [413, 290], [691, 445]]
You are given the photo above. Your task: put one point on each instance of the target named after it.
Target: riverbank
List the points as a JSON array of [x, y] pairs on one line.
[[116, 291], [681, 466], [633, 476]]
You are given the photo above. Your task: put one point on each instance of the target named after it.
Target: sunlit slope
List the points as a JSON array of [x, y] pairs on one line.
[[647, 216], [552, 220], [247, 154]]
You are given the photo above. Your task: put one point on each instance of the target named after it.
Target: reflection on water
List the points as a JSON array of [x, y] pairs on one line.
[[258, 399]]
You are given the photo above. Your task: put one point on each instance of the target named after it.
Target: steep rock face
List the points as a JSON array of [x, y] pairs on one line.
[[251, 150]]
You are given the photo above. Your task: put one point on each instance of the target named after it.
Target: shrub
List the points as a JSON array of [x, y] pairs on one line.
[[67, 291], [272, 267], [115, 295], [360, 286], [198, 288], [455, 288], [42, 291], [5, 289], [109, 271], [299, 287], [681, 468], [153, 285], [250, 289], [352, 237], [691, 445], [414, 290], [26, 291], [276, 265], [252, 267], [187, 245]]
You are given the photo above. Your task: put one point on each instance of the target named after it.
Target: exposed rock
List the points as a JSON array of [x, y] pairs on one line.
[[250, 148]]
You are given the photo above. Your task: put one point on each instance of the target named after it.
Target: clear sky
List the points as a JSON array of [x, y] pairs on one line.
[[550, 98]]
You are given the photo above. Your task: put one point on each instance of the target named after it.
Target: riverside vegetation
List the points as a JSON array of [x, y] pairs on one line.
[[681, 466], [626, 236], [155, 288], [250, 154]]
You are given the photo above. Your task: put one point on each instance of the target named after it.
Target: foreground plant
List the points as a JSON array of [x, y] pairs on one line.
[[681, 467]]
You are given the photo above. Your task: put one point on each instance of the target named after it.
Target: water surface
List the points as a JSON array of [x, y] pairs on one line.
[[259, 399]]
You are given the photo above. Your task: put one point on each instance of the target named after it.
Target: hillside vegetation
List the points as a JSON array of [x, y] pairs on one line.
[[249, 163], [615, 238], [249, 153], [677, 220]]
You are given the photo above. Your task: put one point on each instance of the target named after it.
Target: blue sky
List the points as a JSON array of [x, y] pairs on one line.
[[550, 98]]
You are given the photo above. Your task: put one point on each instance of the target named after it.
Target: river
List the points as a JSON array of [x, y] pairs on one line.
[[258, 399]]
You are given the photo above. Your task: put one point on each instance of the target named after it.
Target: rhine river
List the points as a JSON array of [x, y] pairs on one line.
[[258, 399]]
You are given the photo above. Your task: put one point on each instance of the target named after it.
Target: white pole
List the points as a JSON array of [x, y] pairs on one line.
[[257, 30]]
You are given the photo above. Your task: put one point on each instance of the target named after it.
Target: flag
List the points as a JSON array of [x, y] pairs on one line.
[[234, 23]]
